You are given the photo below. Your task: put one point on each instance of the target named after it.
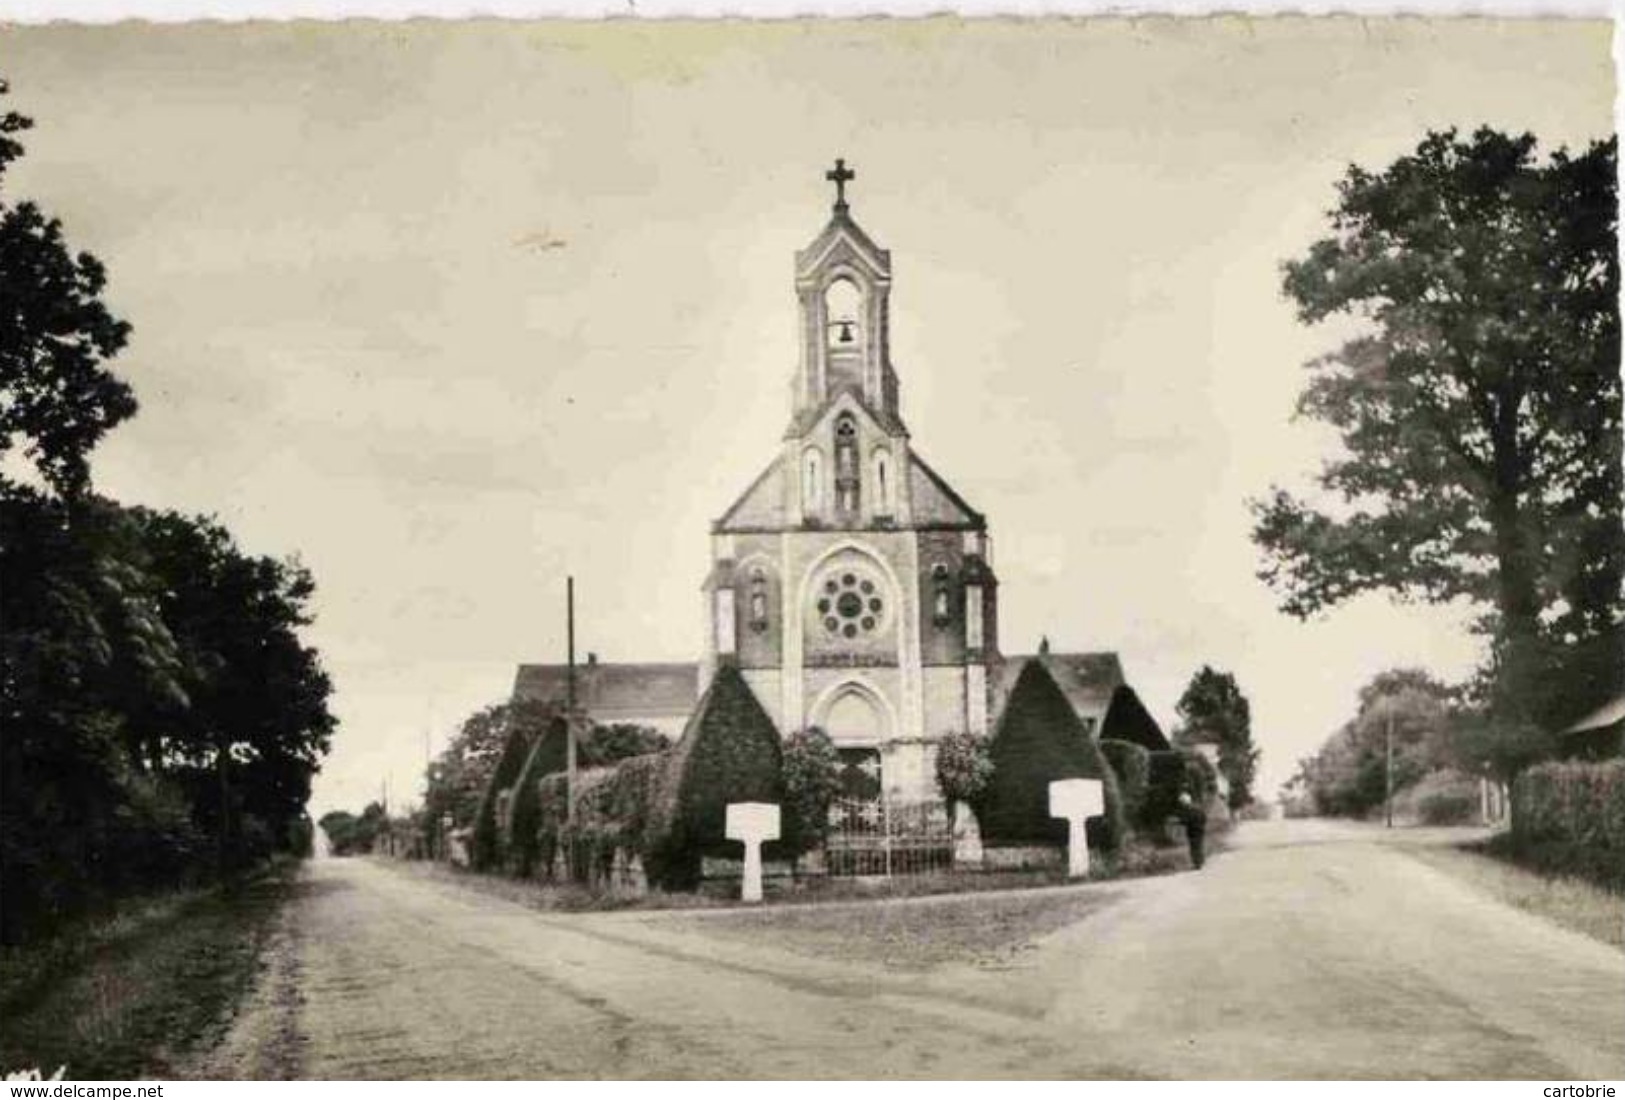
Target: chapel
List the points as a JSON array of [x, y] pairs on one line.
[[852, 587]]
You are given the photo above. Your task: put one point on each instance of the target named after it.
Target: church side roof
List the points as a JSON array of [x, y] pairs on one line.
[[761, 505], [616, 692], [934, 500]]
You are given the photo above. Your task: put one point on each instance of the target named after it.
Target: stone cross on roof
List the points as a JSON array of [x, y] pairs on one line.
[[840, 175]]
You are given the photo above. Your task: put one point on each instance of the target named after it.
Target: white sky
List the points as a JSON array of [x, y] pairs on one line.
[[350, 346]]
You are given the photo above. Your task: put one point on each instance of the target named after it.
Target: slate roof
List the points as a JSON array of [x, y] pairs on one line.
[[1086, 679], [616, 691]]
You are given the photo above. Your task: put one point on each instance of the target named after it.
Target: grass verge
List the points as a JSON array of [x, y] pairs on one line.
[[987, 930], [1491, 866], [124, 997], [1137, 861]]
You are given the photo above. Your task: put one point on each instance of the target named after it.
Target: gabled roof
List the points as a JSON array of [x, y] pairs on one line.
[[933, 500], [841, 231], [804, 421], [616, 692], [1088, 680]]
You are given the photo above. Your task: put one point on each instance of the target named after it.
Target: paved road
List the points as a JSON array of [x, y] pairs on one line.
[[1308, 951]]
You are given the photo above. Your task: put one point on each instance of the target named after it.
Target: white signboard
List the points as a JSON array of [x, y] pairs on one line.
[[752, 823], [1075, 801]]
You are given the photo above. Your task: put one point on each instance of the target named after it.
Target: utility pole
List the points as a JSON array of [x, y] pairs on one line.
[[1388, 770], [570, 701]]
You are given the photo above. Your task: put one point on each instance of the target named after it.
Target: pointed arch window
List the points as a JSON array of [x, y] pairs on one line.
[[846, 464], [812, 483], [758, 600], [885, 491], [941, 602]]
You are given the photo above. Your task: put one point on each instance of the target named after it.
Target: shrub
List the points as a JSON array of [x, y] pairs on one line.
[[1040, 739], [1170, 774], [1131, 764], [812, 780], [1571, 815], [1446, 808], [964, 767]]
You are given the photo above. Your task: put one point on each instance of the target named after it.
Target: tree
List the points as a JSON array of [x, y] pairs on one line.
[[607, 744], [1349, 775], [57, 398], [1479, 408], [1213, 709]]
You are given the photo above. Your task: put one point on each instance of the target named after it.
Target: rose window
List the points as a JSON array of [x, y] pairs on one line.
[[850, 604]]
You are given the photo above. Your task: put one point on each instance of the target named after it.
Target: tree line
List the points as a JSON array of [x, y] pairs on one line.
[[160, 717]]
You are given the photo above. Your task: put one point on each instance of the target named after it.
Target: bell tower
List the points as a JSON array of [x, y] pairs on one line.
[[850, 585], [843, 284]]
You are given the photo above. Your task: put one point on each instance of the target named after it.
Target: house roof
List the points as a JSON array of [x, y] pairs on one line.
[[1088, 680], [616, 691]]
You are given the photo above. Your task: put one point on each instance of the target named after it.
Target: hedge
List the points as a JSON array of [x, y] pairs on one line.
[[614, 812], [729, 752], [1169, 774], [1131, 764], [490, 835], [1040, 739], [1571, 815], [549, 754]]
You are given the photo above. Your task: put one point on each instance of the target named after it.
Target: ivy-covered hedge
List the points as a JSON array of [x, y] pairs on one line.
[[1131, 764], [614, 813], [667, 809], [1040, 739], [1570, 816]]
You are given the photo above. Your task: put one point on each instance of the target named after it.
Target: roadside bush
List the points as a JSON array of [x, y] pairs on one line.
[[812, 780], [1131, 764], [1570, 817], [964, 767], [1168, 775], [1447, 808], [1040, 739]]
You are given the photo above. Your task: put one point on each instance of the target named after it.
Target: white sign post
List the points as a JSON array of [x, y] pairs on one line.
[[1076, 800], [752, 823]]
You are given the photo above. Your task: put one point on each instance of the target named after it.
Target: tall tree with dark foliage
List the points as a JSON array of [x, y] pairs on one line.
[[160, 718], [1479, 407], [1213, 709]]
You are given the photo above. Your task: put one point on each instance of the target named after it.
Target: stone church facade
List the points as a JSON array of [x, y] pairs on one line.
[[850, 584]]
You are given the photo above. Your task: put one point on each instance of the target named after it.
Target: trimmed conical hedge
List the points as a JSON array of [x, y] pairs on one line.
[[1039, 739], [729, 752]]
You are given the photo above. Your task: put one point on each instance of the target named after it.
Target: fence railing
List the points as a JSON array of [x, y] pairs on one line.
[[880, 837]]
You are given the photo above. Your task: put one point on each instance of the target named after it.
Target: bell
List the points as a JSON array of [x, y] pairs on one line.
[[845, 336]]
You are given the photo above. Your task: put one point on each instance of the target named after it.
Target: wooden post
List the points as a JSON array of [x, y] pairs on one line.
[[1388, 770], [570, 701]]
